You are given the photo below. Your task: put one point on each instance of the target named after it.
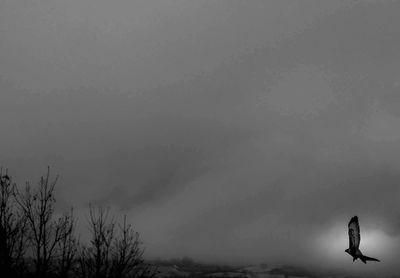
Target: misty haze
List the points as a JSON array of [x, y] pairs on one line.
[[202, 138]]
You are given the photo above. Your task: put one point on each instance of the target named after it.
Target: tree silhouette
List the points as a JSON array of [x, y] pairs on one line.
[[127, 254], [29, 227], [13, 235], [46, 233], [67, 246], [95, 259], [114, 250]]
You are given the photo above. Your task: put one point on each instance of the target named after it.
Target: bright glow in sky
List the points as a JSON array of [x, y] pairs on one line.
[[330, 245]]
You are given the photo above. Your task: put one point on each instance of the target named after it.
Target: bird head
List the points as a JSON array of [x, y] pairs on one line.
[[347, 250]]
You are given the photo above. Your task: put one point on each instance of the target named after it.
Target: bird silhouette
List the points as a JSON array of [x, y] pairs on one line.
[[354, 242]]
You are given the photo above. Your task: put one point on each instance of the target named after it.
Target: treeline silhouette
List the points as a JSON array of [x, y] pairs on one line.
[[35, 242]]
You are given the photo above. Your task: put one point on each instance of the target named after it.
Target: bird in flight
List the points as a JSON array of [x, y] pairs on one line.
[[354, 242]]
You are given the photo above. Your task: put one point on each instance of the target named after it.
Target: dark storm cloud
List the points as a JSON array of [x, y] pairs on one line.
[[225, 130], [151, 175]]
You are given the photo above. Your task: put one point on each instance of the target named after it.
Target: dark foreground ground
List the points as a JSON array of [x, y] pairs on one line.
[[182, 268]]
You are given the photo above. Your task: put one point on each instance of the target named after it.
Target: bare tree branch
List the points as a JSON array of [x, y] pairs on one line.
[[47, 233], [13, 236]]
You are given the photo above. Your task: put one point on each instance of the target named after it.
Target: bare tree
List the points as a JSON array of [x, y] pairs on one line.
[[27, 220], [127, 255], [46, 233], [67, 246], [114, 250], [95, 259], [13, 236]]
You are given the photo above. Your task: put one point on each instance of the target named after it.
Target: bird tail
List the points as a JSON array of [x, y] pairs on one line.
[[364, 259]]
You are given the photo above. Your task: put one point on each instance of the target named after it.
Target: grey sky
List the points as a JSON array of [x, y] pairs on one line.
[[227, 130]]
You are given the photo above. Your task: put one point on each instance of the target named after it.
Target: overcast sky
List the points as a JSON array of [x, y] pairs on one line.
[[235, 131]]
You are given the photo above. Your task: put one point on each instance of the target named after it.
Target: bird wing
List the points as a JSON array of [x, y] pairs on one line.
[[354, 233]]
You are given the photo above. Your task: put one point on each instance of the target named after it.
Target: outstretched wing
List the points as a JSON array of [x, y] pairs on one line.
[[354, 233]]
